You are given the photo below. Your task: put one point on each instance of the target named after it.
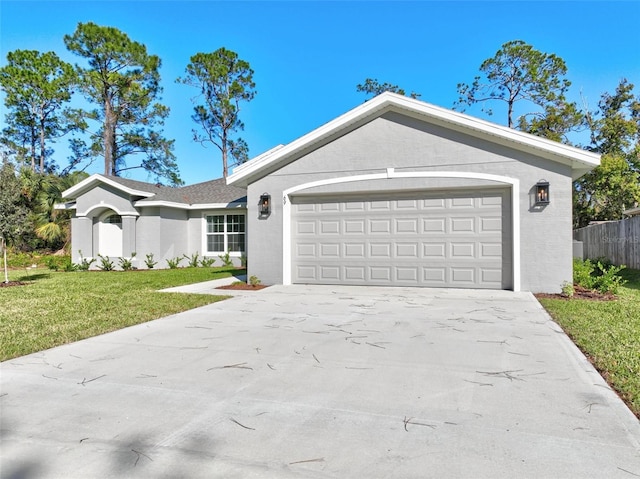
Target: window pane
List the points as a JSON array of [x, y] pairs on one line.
[[215, 243], [235, 224], [215, 224], [236, 242]]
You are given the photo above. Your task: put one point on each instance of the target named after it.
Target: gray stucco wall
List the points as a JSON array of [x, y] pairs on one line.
[[409, 145]]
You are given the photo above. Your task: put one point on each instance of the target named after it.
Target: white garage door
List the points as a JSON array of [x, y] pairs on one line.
[[458, 240]]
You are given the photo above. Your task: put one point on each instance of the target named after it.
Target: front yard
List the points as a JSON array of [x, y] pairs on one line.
[[608, 333], [58, 308]]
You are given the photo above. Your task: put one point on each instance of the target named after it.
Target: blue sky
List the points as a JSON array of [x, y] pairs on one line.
[[309, 56]]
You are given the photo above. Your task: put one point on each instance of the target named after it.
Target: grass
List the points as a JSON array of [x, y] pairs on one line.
[[59, 308], [608, 333]]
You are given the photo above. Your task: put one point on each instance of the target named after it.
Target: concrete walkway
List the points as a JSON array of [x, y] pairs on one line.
[[321, 382]]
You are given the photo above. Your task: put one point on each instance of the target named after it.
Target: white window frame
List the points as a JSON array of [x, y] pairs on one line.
[[225, 233]]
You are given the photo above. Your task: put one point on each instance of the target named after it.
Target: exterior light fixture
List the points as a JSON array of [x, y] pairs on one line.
[[542, 193], [264, 207]]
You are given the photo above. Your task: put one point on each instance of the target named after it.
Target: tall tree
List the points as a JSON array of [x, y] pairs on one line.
[[13, 213], [123, 80], [520, 73], [223, 81], [372, 86], [609, 189], [37, 87]]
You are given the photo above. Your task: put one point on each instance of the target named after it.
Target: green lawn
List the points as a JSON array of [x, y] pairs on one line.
[[58, 308], [608, 333]]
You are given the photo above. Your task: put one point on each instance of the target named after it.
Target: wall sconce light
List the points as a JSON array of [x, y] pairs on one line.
[[264, 208], [542, 193]]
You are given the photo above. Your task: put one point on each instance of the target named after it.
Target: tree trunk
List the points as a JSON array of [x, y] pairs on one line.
[[224, 142], [108, 138], [43, 149], [4, 253]]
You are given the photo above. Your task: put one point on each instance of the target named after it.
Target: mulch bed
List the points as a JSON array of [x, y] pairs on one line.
[[11, 283], [243, 287], [580, 293]]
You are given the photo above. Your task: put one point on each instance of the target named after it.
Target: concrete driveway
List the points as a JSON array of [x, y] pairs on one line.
[[319, 382]]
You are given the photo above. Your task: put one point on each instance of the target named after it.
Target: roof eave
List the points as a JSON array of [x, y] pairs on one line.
[[88, 183]]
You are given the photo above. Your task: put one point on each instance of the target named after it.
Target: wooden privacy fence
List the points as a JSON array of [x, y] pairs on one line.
[[618, 241]]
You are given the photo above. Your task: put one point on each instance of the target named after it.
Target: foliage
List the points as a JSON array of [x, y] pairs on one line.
[[174, 263], [59, 263], [87, 305], [37, 86], [226, 259], [193, 260], [85, 263], [609, 189], [123, 80], [223, 81], [105, 264], [207, 262], [254, 281], [126, 264], [149, 262], [608, 332], [600, 275], [520, 73], [568, 289], [373, 87], [243, 260]]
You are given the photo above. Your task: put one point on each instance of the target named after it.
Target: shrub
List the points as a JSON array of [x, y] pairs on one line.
[[609, 280], [193, 260], [254, 281], [600, 275], [207, 262], [226, 259], [568, 290], [105, 263], [149, 262], [84, 263], [243, 261], [582, 273], [174, 263], [126, 264]]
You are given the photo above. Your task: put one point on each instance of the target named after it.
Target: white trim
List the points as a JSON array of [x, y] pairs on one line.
[[109, 206], [75, 190], [581, 161], [390, 173], [183, 206]]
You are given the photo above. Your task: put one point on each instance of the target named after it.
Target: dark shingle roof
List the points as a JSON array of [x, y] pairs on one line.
[[213, 191]]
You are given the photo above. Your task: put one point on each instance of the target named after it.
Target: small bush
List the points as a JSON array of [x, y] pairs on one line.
[[105, 263], [174, 263], [583, 273], [609, 280], [207, 262], [254, 281], [193, 260], [568, 289], [126, 264], [600, 275], [84, 263], [149, 262], [226, 259], [243, 260]]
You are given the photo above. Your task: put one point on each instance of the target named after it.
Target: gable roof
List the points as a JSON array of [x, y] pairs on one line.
[[581, 161], [205, 194]]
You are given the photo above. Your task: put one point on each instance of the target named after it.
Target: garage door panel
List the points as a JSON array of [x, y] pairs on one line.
[[453, 240]]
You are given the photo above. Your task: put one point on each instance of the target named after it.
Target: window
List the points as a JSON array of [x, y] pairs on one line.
[[225, 233]]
